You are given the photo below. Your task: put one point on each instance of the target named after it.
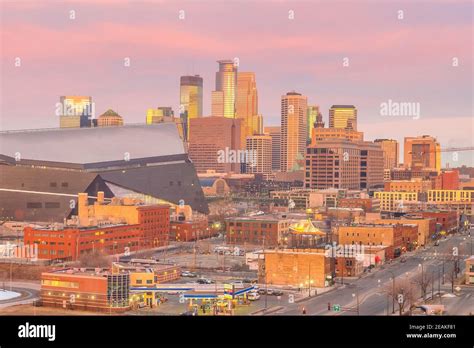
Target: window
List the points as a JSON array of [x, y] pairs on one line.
[[51, 205], [34, 205], [64, 184], [53, 184]]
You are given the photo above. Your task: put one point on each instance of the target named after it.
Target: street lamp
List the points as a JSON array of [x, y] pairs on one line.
[[357, 297]]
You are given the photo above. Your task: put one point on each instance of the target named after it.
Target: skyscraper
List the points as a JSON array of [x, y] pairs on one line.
[[217, 103], [391, 150], [343, 116], [260, 149], [294, 107], [313, 113], [422, 152], [275, 133], [246, 107], [226, 82], [190, 99], [75, 111]]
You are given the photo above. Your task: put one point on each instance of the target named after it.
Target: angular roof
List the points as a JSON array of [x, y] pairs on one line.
[[92, 145]]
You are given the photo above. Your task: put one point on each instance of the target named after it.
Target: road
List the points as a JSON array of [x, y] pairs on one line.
[[370, 289], [29, 292]]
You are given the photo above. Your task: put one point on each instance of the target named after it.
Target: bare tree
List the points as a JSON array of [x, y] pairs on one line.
[[423, 280], [452, 276], [402, 293]]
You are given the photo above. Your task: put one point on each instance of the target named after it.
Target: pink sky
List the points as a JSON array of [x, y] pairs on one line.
[[407, 60]]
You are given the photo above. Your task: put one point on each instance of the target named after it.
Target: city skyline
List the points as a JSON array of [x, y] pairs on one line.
[[314, 65]]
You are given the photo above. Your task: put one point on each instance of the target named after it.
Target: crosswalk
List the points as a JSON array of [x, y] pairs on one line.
[[445, 256]]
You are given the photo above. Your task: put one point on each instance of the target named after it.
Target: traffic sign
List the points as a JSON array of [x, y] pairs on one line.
[[336, 308]]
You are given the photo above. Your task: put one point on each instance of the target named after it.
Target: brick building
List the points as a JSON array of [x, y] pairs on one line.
[[86, 289], [260, 230], [190, 230], [114, 228], [396, 237], [296, 267], [448, 220]]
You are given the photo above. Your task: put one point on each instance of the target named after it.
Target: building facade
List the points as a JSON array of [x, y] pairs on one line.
[[226, 83], [259, 148], [343, 116], [190, 100], [423, 152], [391, 152], [266, 231], [294, 107], [218, 153], [275, 134]]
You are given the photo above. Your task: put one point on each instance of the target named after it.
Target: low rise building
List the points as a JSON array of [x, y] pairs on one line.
[[190, 230], [300, 268], [88, 289], [265, 230], [396, 237], [395, 200]]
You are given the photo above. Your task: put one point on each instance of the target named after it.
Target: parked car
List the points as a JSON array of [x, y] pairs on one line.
[[436, 243], [188, 274], [203, 281], [237, 282], [270, 291], [403, 260], [253, 295], [261, 291], [277, 292]]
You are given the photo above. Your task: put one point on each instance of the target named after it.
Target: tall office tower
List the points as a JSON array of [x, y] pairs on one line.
[[226, 82], [213, 144], [391, 151], [422, 152], [246, 107], [75, 111], [190, 99], [159, 115], [275, 133], [342, 163], [259, 149], [109, 118], [217, 103], [312, 117], [343, 116], [293, 130]]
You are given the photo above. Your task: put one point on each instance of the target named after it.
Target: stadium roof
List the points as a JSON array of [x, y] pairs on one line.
[[92, 145]]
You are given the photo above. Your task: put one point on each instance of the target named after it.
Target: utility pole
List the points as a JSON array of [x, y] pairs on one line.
[[393, 291], [309, 279]]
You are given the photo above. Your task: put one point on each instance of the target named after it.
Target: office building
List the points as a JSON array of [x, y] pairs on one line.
[[214, 144], [340, 163], [293, 130], [343, 116], [190, 98], [391, 152], [422, 152], [259, 148], [312, 118], [75, 111], [275, 134], [247, 105], [226, 83]]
